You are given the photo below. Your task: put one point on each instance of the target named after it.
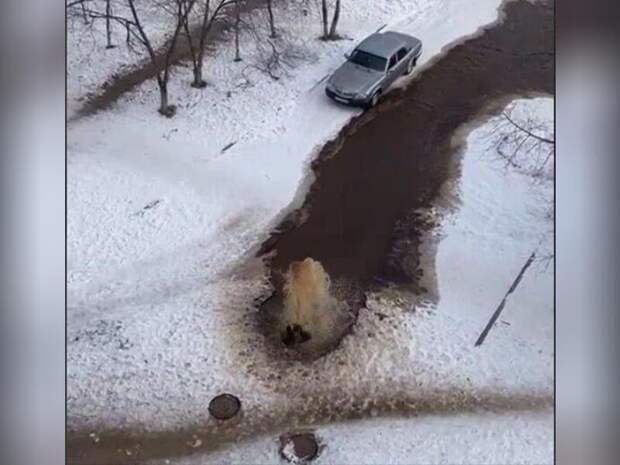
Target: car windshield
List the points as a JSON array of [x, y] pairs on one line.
[[367, 60]]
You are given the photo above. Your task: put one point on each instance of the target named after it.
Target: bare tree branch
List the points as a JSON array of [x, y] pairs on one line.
[[272, 27], [521, 140], [77, 2], [209, 13], [521, 128]]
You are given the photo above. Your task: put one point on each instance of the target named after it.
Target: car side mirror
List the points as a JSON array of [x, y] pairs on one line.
[[347, 55]]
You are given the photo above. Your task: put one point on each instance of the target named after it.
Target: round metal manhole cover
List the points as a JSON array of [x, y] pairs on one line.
[[224, 406], [299, 447]]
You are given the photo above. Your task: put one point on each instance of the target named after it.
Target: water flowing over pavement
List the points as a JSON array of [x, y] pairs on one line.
[[385, 165], [361, 217]]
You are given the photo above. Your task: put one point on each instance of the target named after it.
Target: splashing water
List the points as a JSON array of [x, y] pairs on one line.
[[311, 315]]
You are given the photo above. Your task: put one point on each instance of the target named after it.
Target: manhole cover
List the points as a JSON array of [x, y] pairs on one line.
[[224, 406], [299, 447]]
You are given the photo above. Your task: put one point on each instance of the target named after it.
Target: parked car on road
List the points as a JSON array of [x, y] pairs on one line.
[[372, 67]]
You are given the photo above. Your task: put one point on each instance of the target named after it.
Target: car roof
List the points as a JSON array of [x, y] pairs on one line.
[[382, 44]]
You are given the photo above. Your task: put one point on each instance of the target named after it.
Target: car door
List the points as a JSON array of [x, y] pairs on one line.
[[392, 71], [402, 57]]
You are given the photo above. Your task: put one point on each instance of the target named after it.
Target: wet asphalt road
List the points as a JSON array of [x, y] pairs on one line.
[[360, 216]]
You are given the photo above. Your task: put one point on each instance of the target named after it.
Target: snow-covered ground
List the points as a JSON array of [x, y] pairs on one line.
[[490, 404], [502, 220], [160, 219], [454, 439], [89, 63]]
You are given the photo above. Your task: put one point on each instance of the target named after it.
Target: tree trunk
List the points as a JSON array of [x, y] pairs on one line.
[[198, 81], [207, 21], [332, 30], [162, 80], [163, 96], [84, 15], [237, 21], [324, 17], [192, 51], [272, 26], [108, 26]]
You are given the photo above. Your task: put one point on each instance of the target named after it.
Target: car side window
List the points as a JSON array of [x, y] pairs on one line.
[[393, 61], [401, 53]]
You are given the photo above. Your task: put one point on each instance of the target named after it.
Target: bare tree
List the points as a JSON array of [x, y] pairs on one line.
[[78, 8], [182, 8], [332, 30], [211, 11], [522, 142], [84, 13], [325, 18], [330, 33], [275, 58], [237, 24], [88, 10], [136, 33], [108, 24], [272, 28]]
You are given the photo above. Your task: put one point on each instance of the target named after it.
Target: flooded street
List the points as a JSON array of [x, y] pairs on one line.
[[361, 217], [362, 221]]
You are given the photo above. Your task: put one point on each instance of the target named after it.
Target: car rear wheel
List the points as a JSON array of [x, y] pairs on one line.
[[411, 64]]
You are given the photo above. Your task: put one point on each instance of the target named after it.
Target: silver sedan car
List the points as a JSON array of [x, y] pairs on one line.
[[372, 67]]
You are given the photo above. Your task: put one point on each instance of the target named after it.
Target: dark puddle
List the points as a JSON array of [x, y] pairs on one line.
[[363, 217]]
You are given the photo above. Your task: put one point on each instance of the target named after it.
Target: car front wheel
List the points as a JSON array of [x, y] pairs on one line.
[[374, 99]]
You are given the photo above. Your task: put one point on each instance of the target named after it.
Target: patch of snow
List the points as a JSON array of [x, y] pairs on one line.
[[289, 452], [501, 221], [480, 438], [94, 437]]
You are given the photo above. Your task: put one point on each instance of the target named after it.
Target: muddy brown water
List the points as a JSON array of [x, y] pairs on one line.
[[361, 216], [360, 219]]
